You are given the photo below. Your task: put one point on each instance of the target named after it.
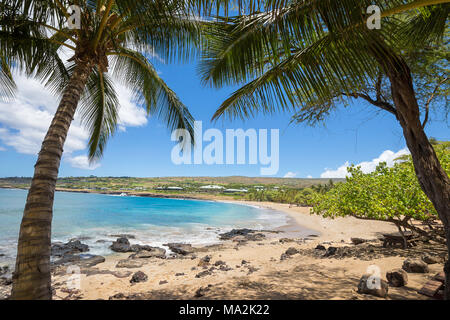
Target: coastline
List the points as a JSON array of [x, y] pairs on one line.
[[263, 275], [258, 269]]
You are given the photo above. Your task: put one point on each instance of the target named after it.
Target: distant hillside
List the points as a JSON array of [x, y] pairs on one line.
[[124, 182]]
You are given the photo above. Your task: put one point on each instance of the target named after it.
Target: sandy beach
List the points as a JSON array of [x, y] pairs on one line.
[[238, 269]]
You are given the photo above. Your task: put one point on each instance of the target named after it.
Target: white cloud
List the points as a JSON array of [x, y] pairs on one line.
[[2, 149], [25, 121], [387, 156], [290, 174], [309, 177], [82, 162]]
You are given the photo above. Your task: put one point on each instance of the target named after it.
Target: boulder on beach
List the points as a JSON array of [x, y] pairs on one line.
[[357, 241], [397, 278], [181, 248], [203, 274], [139, 277], [368, 284], [149, 252], [415, 266], [331, 251], [71, 247], [121, 245], [242, 235], [83, 260], [4, 270], [292, 251], [204, 261]]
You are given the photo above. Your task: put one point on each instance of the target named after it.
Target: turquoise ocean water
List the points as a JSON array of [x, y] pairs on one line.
[[95, 218]]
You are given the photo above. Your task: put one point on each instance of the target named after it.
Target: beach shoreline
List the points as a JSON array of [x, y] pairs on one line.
[[257, 269]]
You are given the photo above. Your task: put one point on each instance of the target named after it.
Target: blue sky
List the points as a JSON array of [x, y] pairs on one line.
[[142, 148]]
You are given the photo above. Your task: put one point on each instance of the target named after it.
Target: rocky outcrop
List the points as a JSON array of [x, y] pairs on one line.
[[84, 260], [204, 261], [201, 292], [181, 248], [357, 241], [149, 252], [203, 274], [415, 266], [292, 251], [139, 277], [242, 235], [378, 288], [320, 248], [4, 270], [71, 247], [397, 278], [121, 245]]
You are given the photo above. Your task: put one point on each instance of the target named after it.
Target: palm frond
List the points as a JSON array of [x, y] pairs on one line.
[[99, 112], [137, 73], [7, 84]]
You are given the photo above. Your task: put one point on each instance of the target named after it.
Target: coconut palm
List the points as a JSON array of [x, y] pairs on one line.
[[114, 41], [307, 56]]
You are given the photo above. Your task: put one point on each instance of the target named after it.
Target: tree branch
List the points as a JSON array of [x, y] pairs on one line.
[[427, 105], [386, 106]]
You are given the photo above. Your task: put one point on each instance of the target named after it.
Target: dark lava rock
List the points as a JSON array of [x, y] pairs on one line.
[[92, 261], [202, 291], [397, 278], [204, 261], [203, 274], [415, 266], [219, 263], [248, 234], [331, 251], [244, 262], [121, 245], [127, 236], [320, 247], [71, 247], [357, 241], [163, 282], [225, 268], [179, 274], [149, 252], [4, 270], [83, 260], [286, 240], [366, 286], [292, 251], [139, 277], [181, 248]]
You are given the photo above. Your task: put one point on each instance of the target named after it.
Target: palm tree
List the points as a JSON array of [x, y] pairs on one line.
[[112, 42], [307, 56]]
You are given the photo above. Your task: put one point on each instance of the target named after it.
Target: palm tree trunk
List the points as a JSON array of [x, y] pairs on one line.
[[432, 177], [32, 279]]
